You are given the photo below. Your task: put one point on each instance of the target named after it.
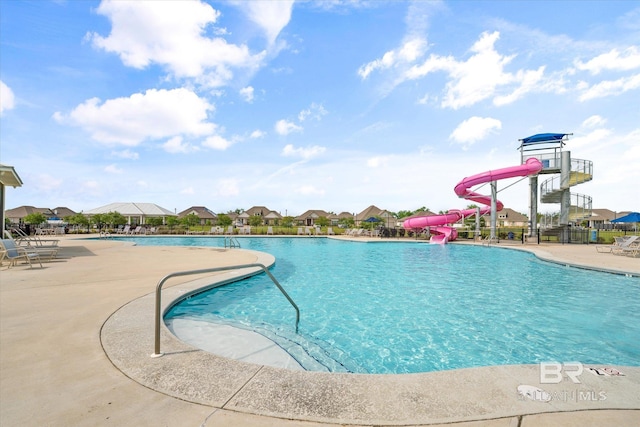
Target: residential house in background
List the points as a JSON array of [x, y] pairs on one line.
[[204, 214], [272, 218], [386, 217], [507, 217], [261, 211], [54, 216], [601, 218], [310, 217]]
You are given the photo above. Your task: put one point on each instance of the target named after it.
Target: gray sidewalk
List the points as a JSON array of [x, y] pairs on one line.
[[54, 370]]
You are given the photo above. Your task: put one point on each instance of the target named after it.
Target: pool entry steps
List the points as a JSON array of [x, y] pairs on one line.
[[158, 304]]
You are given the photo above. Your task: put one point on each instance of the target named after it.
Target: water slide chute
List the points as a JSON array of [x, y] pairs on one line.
[[438, 224]]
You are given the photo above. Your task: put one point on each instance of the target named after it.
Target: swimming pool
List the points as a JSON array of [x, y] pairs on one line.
[[403, 307]]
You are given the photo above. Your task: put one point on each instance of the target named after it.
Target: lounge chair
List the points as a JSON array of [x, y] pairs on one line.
[[330, 231], [628, 247], [300, 232], [617, 241], [10, 251], [48, 252], [230, 230], [269, 231], [125, 230], [24, 239]]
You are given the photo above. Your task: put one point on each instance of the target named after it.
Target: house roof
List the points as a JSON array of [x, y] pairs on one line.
[[512, 216], [132, 209], [63, 212], [257, 210], [313, 213], [22, 211], [373, 211], [605, 215], [201, 211], [273, 215]]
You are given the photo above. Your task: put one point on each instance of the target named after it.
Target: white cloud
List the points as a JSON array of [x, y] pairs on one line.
[[188, 190], [474, 129], [629, 59], [227, 187], [126, 154], [378, 161], [171, 34], [217, 142], [113, 169], [154, 114], [590, 140], [271, 16], [477, 78], [257, 134], [247, 93], [177, 145], [285, 127], [407, 53], [7, 99], [45, 182], [309, 190], [594, 121], [610, 87], [529, 82], [304, 153], [315, 111]]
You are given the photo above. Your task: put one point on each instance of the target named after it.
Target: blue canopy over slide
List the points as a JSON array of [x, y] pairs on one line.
[[542, 138]]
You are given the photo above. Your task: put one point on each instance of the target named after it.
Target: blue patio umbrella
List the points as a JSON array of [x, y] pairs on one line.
[[632, 217]]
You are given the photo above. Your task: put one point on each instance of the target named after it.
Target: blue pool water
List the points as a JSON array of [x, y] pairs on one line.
[[411, 307]]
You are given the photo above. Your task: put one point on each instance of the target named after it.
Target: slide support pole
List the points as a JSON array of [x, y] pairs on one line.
[[494, 198]]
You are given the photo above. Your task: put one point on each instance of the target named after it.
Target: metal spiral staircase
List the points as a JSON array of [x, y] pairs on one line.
[[580, 205]]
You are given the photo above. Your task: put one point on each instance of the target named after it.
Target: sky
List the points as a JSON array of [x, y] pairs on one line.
[[333, 105]]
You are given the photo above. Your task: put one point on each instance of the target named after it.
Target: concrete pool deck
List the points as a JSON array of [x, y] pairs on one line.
[[76, 338]]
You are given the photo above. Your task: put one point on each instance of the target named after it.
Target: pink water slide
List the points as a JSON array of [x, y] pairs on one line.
[[438, 224]]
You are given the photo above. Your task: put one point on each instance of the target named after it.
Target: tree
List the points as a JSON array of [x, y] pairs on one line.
[[99, 220], [79, 219], [114, 219], [224, 220], [190, 220], [35, 218], [255, 220], [155, 221], [347, 222], [172, 221], [287, 221], [403, 214], [322, 221]]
